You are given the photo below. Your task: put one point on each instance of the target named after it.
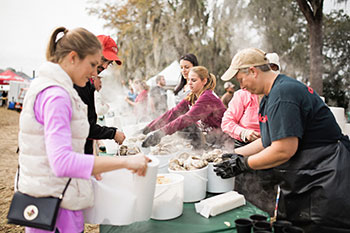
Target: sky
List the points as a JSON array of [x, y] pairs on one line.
[[26, 25]]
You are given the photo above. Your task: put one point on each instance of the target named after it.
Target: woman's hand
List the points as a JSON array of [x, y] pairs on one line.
[[249, 135], [98, 176], [137, 164]]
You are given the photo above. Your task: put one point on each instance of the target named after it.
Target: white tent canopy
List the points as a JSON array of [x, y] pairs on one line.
[[171, 74]]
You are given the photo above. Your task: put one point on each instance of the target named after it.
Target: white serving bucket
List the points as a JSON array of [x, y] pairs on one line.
[[195, 183], [123, 197], [216, 184], [164, 162], [168, 198]]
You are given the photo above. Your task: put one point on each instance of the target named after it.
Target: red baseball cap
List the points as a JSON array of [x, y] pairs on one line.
[[110, 49]]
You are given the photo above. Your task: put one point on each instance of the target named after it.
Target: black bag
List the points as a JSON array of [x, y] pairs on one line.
[[36, 212]]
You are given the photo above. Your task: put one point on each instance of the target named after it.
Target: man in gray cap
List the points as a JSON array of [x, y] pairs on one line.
[[300, 140]]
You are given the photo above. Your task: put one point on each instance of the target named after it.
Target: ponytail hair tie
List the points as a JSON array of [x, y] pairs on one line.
[[59, 36]]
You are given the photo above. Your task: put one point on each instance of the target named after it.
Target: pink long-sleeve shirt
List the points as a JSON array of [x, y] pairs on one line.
[[242, 113], [53, 109]]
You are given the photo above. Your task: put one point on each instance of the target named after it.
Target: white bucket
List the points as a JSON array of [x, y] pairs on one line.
[[216, 184], [168, 198], [123, 197], [164, 162], [195, 183]]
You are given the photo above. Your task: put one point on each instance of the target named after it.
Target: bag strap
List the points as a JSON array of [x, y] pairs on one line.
[[64, 190], [62, 194]]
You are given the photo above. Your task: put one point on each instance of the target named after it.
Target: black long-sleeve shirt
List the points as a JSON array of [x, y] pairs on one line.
[[96, 131]]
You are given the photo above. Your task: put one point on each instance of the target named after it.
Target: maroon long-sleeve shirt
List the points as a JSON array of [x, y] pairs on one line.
[[208, 109]]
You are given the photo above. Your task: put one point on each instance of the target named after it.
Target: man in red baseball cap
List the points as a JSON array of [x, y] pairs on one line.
[[86, 93], [109, 52]]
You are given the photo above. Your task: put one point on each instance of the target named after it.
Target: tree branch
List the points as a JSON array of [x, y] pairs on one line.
[[307, 11]]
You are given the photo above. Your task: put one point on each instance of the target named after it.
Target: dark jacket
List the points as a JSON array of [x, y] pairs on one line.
[[96, 131]]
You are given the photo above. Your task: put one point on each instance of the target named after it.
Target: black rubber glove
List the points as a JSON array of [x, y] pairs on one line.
[[153, 138], [146, 130], [229, 156], [235, 165]]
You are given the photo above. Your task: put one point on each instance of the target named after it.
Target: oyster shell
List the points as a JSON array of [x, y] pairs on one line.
[[129, 150], [185, 161]]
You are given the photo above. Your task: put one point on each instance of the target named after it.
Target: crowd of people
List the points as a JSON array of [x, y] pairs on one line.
[[273, 123]]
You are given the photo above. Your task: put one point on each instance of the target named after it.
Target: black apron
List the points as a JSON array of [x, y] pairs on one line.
[[315, 189]]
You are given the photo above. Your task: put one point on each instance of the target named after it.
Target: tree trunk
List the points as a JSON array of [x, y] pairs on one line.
[[316, 60], [313, 12]]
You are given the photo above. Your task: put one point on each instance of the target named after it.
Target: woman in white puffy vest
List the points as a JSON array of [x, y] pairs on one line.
[[54, 127]]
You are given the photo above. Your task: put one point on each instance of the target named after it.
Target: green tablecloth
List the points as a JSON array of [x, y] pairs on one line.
[[188, 222]]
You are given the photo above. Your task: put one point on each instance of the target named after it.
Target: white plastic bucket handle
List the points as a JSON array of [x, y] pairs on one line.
[[160, 193]]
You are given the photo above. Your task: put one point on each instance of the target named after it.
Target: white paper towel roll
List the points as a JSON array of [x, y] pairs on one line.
[[215, 205], [122, 197]]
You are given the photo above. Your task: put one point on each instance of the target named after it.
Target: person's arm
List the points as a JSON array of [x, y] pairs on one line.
[[277, 153], [132, 103], [137, 164], [199, 111], [233, 115], [53, 109], [251, 148]]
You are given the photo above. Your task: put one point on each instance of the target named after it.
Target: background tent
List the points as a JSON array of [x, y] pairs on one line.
[[171, 74], [7, 76]]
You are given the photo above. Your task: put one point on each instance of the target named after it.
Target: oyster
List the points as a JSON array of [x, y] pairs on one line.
[[162, 149], [185, 161], [129, 150], [213, 156]]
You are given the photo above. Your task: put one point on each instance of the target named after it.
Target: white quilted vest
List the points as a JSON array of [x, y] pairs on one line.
[[36, 177]]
